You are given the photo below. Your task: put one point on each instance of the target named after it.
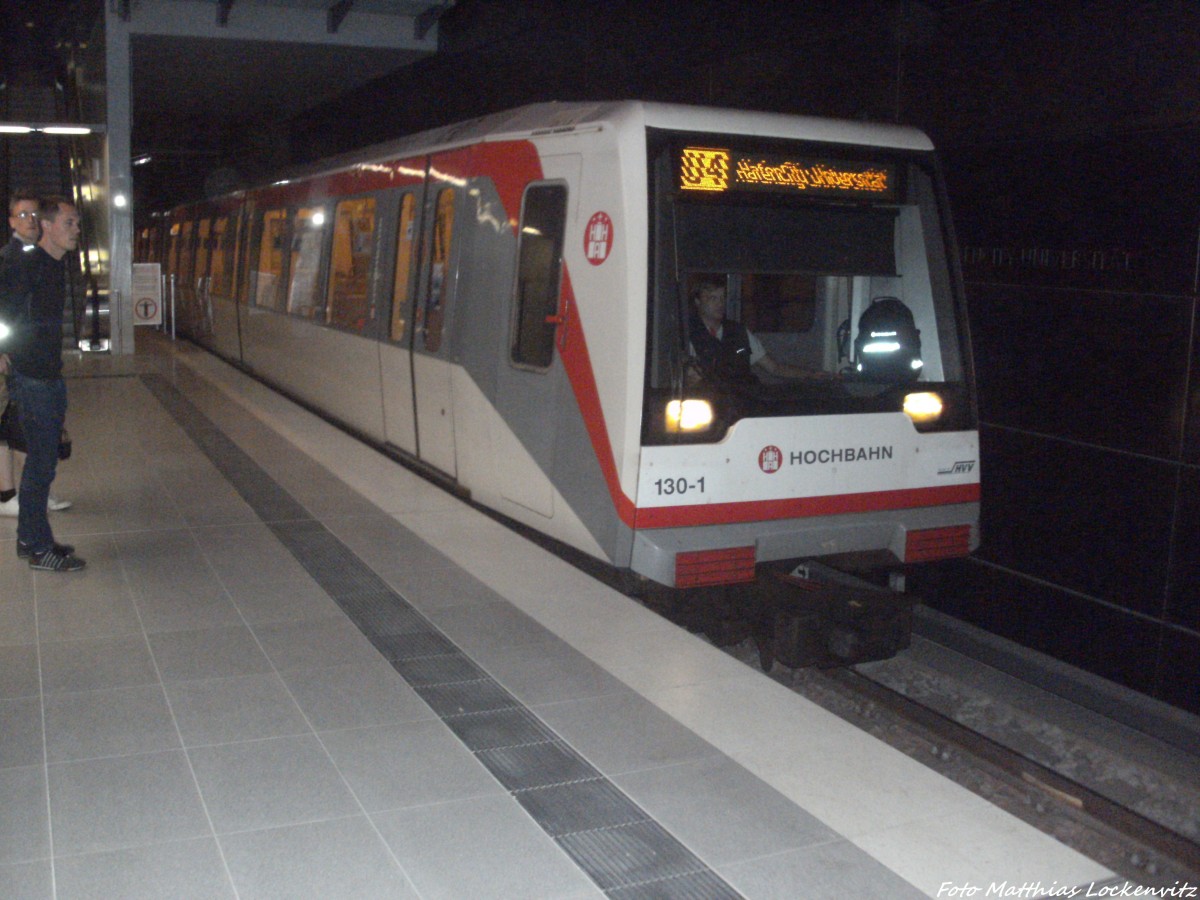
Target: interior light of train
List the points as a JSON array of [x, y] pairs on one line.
[[924, 406], [391, 169], [720, 169], [30, 128], [446, 177], [688, 415]]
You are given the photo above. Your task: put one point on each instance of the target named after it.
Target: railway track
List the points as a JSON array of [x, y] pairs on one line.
[[1145, 853], [1155, 848]]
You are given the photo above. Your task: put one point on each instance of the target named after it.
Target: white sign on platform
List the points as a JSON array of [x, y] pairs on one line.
[[147, 294]]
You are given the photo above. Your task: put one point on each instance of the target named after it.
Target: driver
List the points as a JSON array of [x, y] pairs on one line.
[[727, 349]]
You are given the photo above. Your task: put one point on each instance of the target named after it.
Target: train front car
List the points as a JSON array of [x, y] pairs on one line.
[[808, 390]]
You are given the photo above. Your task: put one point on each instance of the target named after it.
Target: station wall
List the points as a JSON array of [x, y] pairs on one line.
[[1082, 285]]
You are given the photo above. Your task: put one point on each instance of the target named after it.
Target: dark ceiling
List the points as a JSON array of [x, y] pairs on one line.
[[241, 81], [974, 73], [187, 89]]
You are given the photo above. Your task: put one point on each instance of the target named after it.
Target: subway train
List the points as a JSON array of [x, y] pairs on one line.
[[516, 305]]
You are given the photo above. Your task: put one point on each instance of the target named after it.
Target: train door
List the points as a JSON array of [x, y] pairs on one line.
[[184, 289], [528, 382], [431, 351], [202, 324], [396, 368], [222, 285]]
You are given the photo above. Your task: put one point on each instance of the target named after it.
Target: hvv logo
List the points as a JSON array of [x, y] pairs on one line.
[[959, 468]]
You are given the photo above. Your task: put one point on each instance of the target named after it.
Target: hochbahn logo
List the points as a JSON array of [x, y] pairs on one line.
[[771, 459], [831, 455]]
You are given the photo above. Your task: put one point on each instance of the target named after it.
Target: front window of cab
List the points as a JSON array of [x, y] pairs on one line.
[[797, 280]]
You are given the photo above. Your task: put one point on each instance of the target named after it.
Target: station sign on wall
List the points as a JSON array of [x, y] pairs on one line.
[[147, 294]]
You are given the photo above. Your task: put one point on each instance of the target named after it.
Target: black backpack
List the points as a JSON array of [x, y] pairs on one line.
[[888, 346]]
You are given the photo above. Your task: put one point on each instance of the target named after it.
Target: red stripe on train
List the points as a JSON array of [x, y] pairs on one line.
[[573, 351], [802, 507]]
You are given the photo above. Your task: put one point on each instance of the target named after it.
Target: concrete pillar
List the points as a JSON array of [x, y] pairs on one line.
[[118, 179]]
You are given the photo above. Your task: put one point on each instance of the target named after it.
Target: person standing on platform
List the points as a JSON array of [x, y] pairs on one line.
[[22, 218], [33, 294]]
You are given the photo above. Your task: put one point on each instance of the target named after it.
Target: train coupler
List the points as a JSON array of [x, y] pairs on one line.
[[813, 615]]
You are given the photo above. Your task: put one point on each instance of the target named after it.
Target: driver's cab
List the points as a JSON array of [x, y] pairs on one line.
[[842, 305], [778, 328]]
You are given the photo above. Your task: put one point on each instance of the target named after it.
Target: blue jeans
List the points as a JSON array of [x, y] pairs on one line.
[[43, 407]]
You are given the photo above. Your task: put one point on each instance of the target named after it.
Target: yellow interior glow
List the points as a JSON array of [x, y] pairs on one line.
[[925, 406], [689, 415]]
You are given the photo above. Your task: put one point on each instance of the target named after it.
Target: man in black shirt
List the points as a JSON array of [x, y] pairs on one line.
[[22, 219], [32, 298], [726, 349]]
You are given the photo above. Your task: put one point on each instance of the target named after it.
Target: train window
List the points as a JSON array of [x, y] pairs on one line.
[[269, 271], [224, 232], [216, 264], [304, 267], [148, 244], [439, 269], [402, 284], [203, 249], [173, 249], [350, 265], [186, 257], [243, 270], [778, 303], [154, 240], [746, 237], [235, 254], [539, 268]]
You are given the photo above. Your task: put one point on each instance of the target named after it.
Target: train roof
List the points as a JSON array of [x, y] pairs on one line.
[[551, 117], [541, 118]]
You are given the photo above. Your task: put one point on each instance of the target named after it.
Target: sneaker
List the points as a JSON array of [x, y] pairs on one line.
[[54, 560], [13, 507], [24, 553]]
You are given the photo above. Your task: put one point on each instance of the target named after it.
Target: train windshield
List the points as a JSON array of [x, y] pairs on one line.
[[798, 280]]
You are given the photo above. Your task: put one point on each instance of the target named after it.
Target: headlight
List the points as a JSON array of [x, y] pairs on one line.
[[688, 415], [5, 331], [923, 407]]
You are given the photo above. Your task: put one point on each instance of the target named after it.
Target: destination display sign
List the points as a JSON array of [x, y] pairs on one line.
[[719, 170]]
